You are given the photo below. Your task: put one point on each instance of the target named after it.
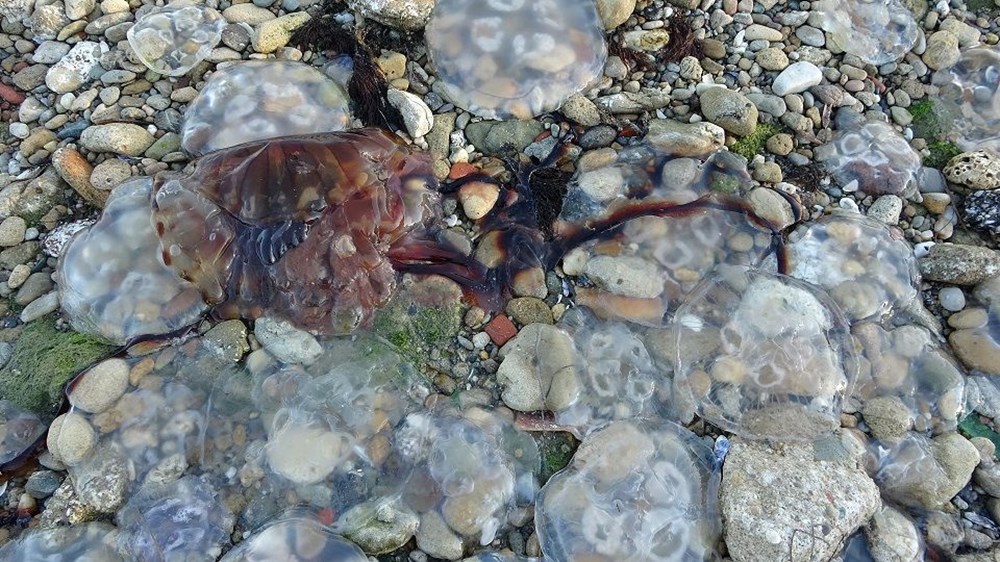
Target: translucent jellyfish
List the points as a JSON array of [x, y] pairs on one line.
[[258, 100], [764, 355], [503, 59], [297, 227], [876, 31], [112, 280], [472, 471], [912, 470], [618, 377], [911, 368], [90, 542], [700, 223], [298, 538], [19, 430], [866, 267], [171, 40], [329, 424], [969, 99], [180, 520], [634, 491], [875, 156]]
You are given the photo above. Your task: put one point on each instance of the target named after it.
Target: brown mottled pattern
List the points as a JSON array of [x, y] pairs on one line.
[[298, 227]]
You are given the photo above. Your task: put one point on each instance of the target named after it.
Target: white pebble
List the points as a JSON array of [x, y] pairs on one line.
[[952, 299]]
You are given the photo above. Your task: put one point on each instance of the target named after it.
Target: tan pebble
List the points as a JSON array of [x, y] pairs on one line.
[[18, 275], [969, 318], [71, 438], [74, 168], [101, 386]]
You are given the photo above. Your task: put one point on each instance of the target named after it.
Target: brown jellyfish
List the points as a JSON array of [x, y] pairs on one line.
[[300, 227]]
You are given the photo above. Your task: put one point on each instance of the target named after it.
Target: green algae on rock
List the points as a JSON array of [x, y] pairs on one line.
[[44, 359]]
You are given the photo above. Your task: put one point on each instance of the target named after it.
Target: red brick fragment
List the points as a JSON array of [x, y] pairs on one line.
[[500, 329]]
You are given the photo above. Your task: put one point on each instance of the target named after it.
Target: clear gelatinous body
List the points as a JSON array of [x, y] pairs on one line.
[[19, 429], [258, 100], [675, 250], [298, 227], [473, 470], [909, 364], [295, 538], [172, 39], [876, 31], [969, 99], [329, 423], [874, 155], [504, 59], [867, 268], [634, 491], [112, 280], [90, 542], [764, 355], [180, 520]]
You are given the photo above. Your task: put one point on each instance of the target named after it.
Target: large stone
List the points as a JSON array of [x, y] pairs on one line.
[[959, 264], [614, 12], [797, 78], [539, 370], [403, 14], [730, 110], [685, 139], [782, 503], [126, 139]]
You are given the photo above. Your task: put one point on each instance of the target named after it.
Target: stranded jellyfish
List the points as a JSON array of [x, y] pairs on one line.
[[876, 31], [970, 99], [258, 100], [112, 281], [763, 354], [875, 157], [504, 59], [634, 491], [303, 227], [171, 40], [298, 538], [93, 542]]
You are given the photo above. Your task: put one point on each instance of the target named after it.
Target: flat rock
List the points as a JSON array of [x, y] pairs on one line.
[[685, 139], [783, 504], [959, 264], [126, 139], [403, 14], [730, 110]]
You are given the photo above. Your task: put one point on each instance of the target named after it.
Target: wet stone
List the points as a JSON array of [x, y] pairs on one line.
[[301, 537], [518, 59], [960, 264], [771, 496]]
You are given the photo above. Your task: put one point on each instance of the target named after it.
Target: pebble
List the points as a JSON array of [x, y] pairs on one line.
[[12, 231], [685, 139], [629, 276], [126, 139], [18, 275], [71, 438], [75, 68], [478, 198], [757, 31], [435, 538], [581, 110], [978, 169], [36, 285], [959, 264], [730, 110], [952, 299], [942, 50], [772, 58], [274, 34], [797, 78], [285, 342], [614, 12], [110, 174], [417, 117], [101, 386], [76, 171], [45, 304], [886, 209], [410, 15]]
